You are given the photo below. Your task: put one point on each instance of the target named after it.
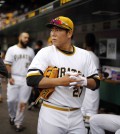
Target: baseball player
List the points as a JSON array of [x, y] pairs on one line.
[[17, 60], [101, 122], [61, 113], [91, 101]]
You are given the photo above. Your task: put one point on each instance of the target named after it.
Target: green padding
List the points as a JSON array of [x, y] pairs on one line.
[[110, 92]]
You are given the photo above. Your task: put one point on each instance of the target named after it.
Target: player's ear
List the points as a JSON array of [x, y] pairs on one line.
[[69, 33]]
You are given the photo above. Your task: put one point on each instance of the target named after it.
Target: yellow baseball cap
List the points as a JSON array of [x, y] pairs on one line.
[[62, 22]]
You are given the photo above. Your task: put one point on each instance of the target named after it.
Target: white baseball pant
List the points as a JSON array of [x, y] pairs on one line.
[[53, 121], [17, 93], [101, 122]]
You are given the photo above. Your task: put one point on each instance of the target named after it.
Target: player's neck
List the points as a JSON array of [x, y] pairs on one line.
[[67, 46], [20, 46], [67, 50]]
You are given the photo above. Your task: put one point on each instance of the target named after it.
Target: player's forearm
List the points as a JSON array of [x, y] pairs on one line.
[[48, 83], [91, 84], [53, 82], [42, 82], [9, 70]]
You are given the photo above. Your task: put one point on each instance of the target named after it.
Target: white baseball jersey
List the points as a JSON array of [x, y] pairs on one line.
[[80, 61], [20, 59], [95, 59], [91, 101]]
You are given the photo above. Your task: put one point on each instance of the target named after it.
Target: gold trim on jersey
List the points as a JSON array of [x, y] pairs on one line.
[[33, 74], [68, 53], [59, 108]]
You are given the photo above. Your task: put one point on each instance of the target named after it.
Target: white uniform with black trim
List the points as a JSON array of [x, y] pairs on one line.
[[91, 101], [79, 61], [19, 59]]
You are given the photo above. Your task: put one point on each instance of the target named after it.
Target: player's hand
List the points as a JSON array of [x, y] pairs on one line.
[[66, 80], [79, 79], [11, 81], [82, 81]]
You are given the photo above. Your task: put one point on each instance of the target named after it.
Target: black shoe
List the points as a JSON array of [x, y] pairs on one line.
[[11, 120], [19, 128]]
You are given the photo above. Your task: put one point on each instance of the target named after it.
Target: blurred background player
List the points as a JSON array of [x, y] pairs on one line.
[[91, 100], [17, 60]]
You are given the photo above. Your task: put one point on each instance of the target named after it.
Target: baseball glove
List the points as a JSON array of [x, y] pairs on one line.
[[50, 72]]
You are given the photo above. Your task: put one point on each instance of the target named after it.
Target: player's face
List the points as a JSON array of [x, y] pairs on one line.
[[24, 39], [60, 37]]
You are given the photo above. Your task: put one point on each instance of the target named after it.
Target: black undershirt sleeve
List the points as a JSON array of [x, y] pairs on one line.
[[96, 79], [33, 80]]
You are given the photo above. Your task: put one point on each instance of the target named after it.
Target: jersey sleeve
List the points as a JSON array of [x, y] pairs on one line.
[[91, 68], [33, 54], [37, 67], [40, 61], [9, 57], [92, 72]]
